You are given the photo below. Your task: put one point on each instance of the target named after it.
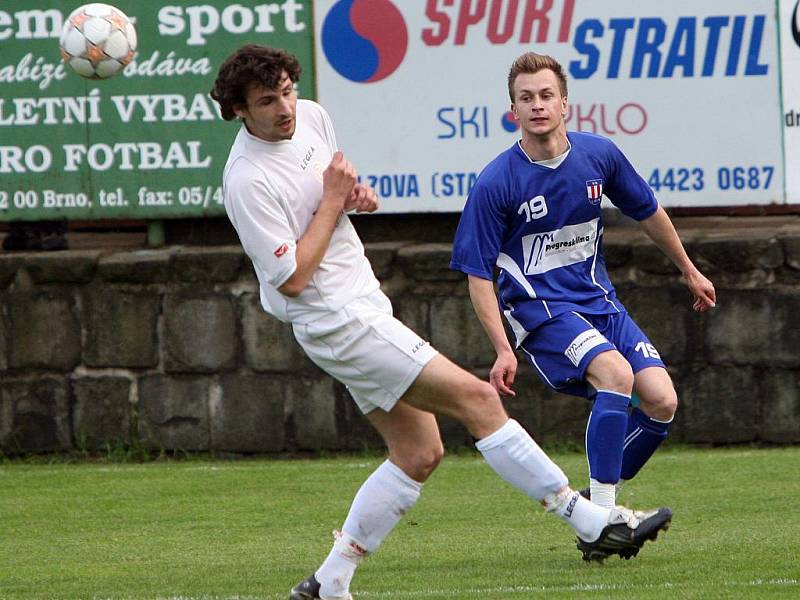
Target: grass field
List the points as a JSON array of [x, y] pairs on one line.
[[250, 529]]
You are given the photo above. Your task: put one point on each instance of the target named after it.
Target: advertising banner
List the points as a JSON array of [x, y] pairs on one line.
[[146, 143], [789, 19], [689, 90]]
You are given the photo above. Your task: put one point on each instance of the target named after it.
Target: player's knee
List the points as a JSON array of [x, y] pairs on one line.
[[611, 372], [486, 399], [662, 405], [423, 461], [431, 459], [617, 378], [670, 403], [480, 408]]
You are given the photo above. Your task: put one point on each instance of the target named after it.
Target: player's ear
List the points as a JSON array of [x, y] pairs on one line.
[[563, 106], [240, 110]]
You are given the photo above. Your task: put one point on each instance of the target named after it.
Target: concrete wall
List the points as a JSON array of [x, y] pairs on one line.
[[169, 348]]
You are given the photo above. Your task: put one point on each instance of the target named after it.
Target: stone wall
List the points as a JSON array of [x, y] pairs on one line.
[[170, 349]]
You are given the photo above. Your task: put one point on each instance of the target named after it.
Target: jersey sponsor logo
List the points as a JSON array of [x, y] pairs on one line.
[[419, 346], [306, 160], [553, 249], [533, 257], [281, 250], [594, 190], [581, 345]]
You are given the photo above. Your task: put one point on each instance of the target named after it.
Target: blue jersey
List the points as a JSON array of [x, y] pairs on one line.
[[543, 229]]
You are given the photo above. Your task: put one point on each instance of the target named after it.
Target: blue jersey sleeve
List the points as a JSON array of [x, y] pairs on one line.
[[479, 234], [627, 190]]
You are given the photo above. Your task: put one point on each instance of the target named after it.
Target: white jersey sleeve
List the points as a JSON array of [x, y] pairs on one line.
[[257, 213]]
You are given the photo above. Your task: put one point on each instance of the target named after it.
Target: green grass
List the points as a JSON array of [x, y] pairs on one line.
[[250, 529]]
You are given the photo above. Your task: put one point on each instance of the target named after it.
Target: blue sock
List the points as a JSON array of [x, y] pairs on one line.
[[643, 437], [605, 435]]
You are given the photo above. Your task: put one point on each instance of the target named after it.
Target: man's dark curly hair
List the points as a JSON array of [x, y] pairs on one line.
[[251, 65]]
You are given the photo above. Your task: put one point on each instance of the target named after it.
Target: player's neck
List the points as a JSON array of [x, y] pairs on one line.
[[545, 147]]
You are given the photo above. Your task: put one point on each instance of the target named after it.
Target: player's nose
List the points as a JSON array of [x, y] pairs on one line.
[[285, 106]]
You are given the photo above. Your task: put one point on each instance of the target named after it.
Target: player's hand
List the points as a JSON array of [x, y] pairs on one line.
[[363, 199], [503, 372], [338, 181], [705, 297]]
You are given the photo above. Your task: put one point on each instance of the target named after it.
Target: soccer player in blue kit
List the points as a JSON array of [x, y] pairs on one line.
[[534, 214]]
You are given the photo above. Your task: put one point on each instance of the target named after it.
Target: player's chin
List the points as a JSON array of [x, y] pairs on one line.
[[540, 129], [285, 130]]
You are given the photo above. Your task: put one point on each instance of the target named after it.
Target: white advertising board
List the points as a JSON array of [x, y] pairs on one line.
[[789, 22], [689, 89]]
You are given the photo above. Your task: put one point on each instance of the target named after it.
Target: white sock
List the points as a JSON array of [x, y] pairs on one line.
[[338, 569], [513, 454], [380, 503], [603, 494], [586, 518]]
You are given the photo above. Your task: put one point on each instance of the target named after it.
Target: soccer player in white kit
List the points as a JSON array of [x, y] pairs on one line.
[[287, 189]]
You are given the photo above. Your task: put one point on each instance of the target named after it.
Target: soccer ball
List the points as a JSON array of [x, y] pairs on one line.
[[97, 40]]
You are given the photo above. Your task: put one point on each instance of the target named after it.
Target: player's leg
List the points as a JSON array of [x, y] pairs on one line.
[[573, 355], [377, 358], [381, 360], [444, 388], [612, 378], [415, 449], [648, 425]]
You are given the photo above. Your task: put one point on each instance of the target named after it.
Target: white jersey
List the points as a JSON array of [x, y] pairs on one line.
[[271, 191]]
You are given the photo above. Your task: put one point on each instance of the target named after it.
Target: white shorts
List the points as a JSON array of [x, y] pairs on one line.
[[376, 356]]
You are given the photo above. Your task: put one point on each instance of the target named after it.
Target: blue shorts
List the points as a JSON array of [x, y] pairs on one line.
[[561, 349]]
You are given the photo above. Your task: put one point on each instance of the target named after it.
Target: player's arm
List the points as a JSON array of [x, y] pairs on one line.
[[631, 194], [338, 182], [476, 246], [659, 228], [481, 292]]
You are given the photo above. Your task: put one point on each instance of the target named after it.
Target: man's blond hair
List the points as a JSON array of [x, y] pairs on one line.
[[530, 62]]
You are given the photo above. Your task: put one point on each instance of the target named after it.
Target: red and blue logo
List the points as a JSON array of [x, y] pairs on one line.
[[509, 122], [364, 40], [594, 190]]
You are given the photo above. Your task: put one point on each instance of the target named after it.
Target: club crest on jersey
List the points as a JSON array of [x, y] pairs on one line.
[[281, 250], [594, 190]]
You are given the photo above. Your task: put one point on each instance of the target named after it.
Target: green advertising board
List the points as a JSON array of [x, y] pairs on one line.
[[147, 143]]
